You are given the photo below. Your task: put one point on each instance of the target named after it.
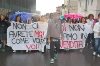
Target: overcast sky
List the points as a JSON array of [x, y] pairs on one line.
[[47, 6]]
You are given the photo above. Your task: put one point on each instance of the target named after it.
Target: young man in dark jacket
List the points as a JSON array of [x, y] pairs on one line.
[[53, 35], [3, 31]]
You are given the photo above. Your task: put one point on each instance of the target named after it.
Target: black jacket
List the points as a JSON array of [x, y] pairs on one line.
[[3, 26]]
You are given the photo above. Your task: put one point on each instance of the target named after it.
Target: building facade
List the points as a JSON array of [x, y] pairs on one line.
[[70, 6], [59, 9], [73, 6], [17, 5], [86, 7]]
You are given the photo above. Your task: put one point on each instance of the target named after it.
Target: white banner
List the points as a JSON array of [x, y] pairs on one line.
[[27, 36], [33, 36], [74, 35]]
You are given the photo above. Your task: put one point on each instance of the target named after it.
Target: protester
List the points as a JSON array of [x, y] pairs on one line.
[[7, 20], [53, 35], [99, 17], [74, 21], [83, 20], [42, 19], [97, 39], [29, 21], [3, 31], [86, 19], [47, 18], [19, 20], [63, 20], [51, 15], [35, 18], [90, 36], [79, 20], [69, 20]]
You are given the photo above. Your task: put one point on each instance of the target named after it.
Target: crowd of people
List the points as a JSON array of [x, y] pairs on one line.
[[93, 38]]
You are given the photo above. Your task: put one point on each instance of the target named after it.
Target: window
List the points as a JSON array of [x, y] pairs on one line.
[[80, 3], [86, 4], [91, 2]]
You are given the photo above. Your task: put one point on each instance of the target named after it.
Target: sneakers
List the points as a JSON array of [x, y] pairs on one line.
[[81, 50], [52, 61], [26, 50], [42, 50], [55, 56], [94, 53], [67, 49], [14, 51], [3, 49], [98, 55]]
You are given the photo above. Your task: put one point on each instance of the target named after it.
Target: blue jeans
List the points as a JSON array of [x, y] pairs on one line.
[[97, 45], [89, 38]]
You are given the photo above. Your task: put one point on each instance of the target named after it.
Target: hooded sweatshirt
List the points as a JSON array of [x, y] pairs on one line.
[[55, 28]]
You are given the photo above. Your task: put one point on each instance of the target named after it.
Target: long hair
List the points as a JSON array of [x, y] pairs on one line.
[[41, 19], [3, 16], [98, 14], [68, 19], [82, 18], [90, 16], [75, 21], [28, 20], [19, 20]]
